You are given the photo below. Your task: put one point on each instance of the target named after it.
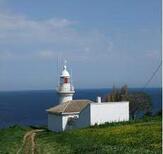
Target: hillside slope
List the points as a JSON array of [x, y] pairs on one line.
[[141, 136]]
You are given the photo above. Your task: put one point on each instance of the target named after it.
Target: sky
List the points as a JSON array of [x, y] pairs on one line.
[[105, 43]]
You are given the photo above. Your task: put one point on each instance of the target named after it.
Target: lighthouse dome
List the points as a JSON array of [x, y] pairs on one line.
[[65, 73]]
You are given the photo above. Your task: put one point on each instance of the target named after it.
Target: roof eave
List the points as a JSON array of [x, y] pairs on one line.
[[69, 113], [63, 113]]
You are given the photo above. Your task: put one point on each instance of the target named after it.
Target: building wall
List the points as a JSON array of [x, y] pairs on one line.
[[94, 113], [84, 118], [109, 112], [65, 119], [54, 122]]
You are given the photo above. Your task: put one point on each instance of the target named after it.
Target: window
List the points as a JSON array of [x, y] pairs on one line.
[[65, 80]]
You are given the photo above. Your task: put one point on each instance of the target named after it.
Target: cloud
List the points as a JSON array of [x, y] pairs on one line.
[[152, 54], [48, 38], [6, 55], [29, 48], [21, 28], [47, 54]]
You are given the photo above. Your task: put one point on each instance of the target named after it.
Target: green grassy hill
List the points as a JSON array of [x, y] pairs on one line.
[[135, 137]]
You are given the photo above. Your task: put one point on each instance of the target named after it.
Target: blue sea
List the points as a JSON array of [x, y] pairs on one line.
[[28, 107]]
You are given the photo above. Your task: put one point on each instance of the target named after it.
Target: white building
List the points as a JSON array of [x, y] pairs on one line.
[[71, 113]]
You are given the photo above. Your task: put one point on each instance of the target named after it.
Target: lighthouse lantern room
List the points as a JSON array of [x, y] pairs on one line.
[[65, 88]]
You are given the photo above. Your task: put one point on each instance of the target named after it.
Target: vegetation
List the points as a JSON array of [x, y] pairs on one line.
[[139, 101], [11, 139], [116, 95], [137, 136]]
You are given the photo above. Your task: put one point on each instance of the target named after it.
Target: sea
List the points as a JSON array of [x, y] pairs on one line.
[[29, 107]]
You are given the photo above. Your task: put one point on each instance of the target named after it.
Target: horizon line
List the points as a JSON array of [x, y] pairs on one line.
[[76, 89]]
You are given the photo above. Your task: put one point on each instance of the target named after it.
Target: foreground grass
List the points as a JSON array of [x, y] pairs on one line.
[[11, 139], [139, 137], [135, 137]]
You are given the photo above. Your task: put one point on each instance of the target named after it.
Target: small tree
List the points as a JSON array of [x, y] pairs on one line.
[[124, 90], [114, 96], [138, 102]]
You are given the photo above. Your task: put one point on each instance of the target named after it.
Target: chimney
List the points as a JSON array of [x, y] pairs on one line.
[[98, 99]]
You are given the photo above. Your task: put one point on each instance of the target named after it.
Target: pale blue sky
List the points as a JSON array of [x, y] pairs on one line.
[[105, 42]]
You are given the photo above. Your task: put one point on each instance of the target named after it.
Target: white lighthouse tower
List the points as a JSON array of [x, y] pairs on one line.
[[65, 88]]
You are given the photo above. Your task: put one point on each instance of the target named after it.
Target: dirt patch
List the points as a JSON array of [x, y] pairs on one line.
[[29, 145]]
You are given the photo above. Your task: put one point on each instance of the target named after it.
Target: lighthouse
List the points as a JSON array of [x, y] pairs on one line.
[[65, 88], [80, 113]]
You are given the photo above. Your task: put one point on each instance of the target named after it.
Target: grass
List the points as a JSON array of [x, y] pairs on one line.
[[11, 139], [135, 137]]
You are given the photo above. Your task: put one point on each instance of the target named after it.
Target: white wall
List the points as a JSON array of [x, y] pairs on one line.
[[54, 122], [84, 118], [109, 112], [58, 123], [65, 118]]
